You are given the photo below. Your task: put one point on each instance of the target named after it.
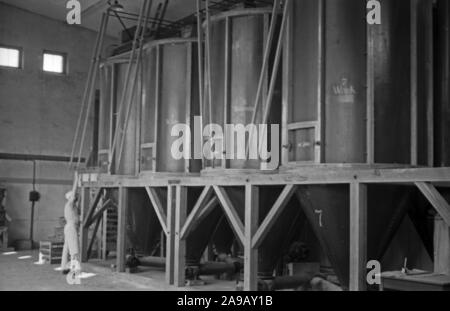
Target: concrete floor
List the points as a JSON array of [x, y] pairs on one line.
[[24, 275]]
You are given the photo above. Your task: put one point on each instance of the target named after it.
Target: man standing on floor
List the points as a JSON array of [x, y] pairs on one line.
[[71, 246]]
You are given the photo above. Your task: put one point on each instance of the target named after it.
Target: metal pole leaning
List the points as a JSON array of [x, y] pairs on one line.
[[127, 78], [200, 65], [91, 89], [266, 57], [208, 67], [86, 89], [156, 18], [133, 84], [276, 65], [161, 18]]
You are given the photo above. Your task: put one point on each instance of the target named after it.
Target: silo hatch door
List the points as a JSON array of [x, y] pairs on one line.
[[303, 143]]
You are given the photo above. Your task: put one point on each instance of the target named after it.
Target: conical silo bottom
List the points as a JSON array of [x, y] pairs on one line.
[[143, 227], [211, 229]]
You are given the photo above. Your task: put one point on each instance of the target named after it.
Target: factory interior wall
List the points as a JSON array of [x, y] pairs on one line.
[[39, 113]]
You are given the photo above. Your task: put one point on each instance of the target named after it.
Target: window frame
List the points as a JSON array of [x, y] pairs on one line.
[[56, 53], [21, 58]]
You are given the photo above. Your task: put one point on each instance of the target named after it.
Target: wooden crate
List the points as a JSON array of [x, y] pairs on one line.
[[51, 251]]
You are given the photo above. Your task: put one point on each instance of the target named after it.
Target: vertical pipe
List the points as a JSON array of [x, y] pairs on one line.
[[429, 43], [113, 112], [226, 86], [413, 82], [127, 78], [112, 105], [208, 66], [370, 95], [133, 83], [266, 31], [287, 91], [264, 68], [139, 130], [200, 70], [188, 101], [157, 95], [88, 85], [276, 65], [95, 134], [91, 90], [320, 129], [32, 205], [163, 14]]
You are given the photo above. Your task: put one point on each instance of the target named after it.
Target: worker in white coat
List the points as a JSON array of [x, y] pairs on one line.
[[71, 246]]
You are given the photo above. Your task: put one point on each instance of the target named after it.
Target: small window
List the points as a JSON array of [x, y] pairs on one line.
[[54, 62], [10, 57]]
